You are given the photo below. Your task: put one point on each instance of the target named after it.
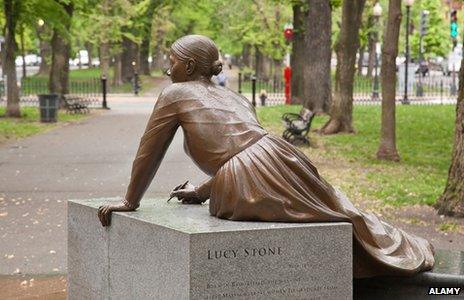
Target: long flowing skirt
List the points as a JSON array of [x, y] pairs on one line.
[[273, 181]]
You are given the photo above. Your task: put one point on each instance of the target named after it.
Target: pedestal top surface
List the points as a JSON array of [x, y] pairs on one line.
[[192, 219]]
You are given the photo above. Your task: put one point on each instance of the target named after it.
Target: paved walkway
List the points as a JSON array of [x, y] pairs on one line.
[[86, 160]]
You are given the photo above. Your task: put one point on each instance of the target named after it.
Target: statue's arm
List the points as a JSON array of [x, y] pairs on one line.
[[204, 190], [154, 143], [156, 139]]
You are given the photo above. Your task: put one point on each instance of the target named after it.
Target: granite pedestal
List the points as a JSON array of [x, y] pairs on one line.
[[174, 251]]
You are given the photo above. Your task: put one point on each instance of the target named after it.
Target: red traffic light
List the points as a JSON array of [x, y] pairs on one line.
[[288, 34]]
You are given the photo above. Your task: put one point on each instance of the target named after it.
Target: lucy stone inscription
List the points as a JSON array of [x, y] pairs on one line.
[[245, 252]]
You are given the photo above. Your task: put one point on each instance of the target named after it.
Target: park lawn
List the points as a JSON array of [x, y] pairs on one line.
[[424, 141], [28, 124]]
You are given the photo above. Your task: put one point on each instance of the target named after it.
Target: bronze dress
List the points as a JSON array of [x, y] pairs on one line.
[[260, 177]]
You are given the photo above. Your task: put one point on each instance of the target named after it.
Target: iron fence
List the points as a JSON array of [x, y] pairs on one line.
[[422, 90], [85, 91]]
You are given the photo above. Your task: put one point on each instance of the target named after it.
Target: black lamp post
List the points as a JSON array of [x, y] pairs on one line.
[[408, 4], [377, 12]]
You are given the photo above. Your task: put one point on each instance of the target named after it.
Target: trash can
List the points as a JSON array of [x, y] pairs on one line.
[[48, 105]]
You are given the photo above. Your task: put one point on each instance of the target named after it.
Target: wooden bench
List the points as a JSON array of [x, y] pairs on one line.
[[74, 105], [297, 126]]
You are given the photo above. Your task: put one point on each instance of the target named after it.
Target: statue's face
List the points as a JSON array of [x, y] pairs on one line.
[[182, 71]]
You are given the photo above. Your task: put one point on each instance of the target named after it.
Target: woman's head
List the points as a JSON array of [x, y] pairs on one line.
[[193, 57]]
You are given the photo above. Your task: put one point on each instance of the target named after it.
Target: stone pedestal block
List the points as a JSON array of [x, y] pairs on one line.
[[174, 251]]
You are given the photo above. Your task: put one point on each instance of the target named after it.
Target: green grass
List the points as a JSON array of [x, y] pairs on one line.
[[449, 227], [86, 73], [424, 141], [28, 124]]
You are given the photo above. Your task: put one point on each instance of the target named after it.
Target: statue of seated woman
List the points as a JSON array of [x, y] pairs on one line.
[[254, 176]]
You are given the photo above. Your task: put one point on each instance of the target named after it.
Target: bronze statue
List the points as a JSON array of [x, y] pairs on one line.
[[254, 175]]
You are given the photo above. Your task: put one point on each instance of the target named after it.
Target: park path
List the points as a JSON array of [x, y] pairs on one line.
[[90, 159]]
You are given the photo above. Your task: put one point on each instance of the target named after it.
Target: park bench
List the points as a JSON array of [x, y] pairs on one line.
[[74, 105], [297, 126]]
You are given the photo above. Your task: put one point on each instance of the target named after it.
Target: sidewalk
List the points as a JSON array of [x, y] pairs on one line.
[[89, 159]]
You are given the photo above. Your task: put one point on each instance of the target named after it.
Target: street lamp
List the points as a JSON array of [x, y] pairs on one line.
[[408, 4], [376, 12]]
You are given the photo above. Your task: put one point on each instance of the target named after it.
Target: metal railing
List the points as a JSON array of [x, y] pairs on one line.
[[86, 91], [422, 90]]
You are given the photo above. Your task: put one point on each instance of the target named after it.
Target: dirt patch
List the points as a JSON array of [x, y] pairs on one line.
[[33, 287]]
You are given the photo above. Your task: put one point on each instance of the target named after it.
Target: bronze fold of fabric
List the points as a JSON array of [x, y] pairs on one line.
[[259, 177]]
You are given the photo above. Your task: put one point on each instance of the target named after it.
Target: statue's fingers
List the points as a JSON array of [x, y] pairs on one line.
[[173, 194], [108, 218], [179, 194], [187, 201], [106, 213], [100, 217]]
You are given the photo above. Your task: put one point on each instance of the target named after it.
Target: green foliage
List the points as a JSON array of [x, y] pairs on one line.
[[424, 140], [104, 22], [28, 13], [437, 41], [233, 24]]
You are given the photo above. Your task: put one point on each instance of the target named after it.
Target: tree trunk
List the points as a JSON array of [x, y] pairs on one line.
[[117, 78], [89, 48], [298, 55], [61, 49], [451, 201], [9, 66], [371, 49], [105, 59], [246, 55], [158, 60], [278, 71], [387, 149], [360, 60], [105, 41], [341, 109], [258, 62], [45, 50], [129, 61], [266, 66], [144, 53], [317, 47], [145, 46], [23, 52]]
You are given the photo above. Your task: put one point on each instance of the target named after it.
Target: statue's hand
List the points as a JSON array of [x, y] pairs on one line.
[[187, 194], [104, 212]]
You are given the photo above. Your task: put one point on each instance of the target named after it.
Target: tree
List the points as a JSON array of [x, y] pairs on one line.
[[451, 201], [297, 59], [436, 42], [109, 20], [317, 47], [12, 9], [341, 109], [147, 20], [371, 47], [61, 51], [44, 36], [129, 59], [387, 149]]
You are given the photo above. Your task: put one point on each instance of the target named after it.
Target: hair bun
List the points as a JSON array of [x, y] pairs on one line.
[[216, 67]]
